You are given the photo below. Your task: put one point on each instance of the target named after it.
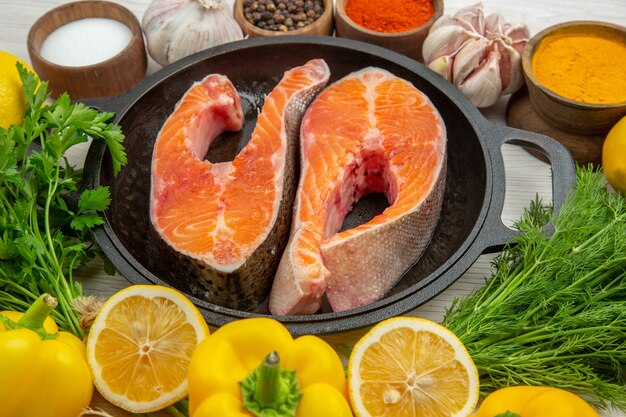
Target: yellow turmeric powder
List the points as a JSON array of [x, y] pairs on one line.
[[588, 67]]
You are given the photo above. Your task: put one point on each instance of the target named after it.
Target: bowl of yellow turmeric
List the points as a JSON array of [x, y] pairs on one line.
[[576, 75]]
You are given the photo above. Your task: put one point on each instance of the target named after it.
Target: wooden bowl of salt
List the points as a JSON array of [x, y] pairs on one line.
[[576, 75], [383, 30], [89, 48]]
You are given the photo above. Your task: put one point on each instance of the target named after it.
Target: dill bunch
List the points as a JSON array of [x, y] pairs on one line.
[[554, 311]]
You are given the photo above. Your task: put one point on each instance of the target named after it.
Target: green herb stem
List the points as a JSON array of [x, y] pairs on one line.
[[174, 412], [498, 292], [598, 275], [183, 406], [599, 233], [52, 188]]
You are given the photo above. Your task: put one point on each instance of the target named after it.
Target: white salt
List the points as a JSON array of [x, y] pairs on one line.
[[85, 42]]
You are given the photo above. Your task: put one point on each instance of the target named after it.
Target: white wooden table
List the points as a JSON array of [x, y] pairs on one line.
[[525, 175]]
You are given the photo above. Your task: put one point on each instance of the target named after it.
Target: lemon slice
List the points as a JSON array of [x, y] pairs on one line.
[[406, 366], [140, 345]]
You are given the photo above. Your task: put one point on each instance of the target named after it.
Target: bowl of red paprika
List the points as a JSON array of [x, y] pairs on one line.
[[400, 26]]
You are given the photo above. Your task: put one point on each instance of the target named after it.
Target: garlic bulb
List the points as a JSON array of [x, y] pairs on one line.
[[177, 28], [480, 55]]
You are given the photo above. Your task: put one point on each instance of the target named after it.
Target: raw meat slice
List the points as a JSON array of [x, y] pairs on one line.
[[229, 220], [369, 132]]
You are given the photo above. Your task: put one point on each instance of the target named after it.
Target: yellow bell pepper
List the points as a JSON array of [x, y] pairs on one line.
[[42, 374], [531, 401], [253, 367]]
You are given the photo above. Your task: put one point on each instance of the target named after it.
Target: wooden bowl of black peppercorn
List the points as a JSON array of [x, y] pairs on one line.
[[285, 17]]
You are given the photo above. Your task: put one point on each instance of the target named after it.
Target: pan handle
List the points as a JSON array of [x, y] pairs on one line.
[[496, 234], [110, 104]]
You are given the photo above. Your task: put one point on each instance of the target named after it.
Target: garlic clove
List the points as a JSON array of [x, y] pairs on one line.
[[483, 87], [493, 25], [518, 34], [516, 31], [444, 41], [473, 16], [445, 20], [510, 60], [468, 59], [442, 66]]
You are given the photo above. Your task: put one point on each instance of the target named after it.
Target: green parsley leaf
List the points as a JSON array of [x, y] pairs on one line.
[[98, 199], [88, 220]]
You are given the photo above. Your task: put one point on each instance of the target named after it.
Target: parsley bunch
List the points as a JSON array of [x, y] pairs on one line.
[[554, 311], [42, 238]]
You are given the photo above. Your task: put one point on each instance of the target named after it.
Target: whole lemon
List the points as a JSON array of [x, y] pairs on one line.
[[614, 156], [12, 101]]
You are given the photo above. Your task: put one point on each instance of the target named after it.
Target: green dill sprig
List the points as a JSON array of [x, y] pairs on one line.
[[554, 311], [42, 240]]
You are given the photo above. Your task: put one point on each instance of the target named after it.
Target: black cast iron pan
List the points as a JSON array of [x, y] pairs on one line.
[[470, 222]]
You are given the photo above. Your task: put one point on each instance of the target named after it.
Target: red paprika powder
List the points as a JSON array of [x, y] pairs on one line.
[[390, 15]]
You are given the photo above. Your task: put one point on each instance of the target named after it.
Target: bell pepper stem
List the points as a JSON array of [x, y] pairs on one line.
[[271, 390], [37, 313]]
